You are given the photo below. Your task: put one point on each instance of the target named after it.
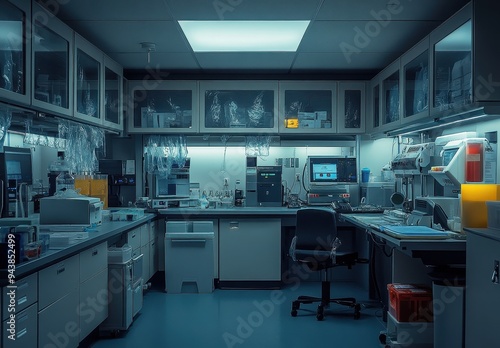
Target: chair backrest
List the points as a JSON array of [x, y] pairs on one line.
[[316, 229]]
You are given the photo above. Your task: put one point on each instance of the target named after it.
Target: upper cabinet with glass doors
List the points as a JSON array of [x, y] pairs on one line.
[[88, 81], [351, 107], [464, 59], [239, 106], [52, 63], [390, 116], [307, 107], [416, 85], [113, 96], [15, 51], [163, 106]]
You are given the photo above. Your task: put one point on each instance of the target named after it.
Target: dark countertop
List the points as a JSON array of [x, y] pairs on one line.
[[110, 231]]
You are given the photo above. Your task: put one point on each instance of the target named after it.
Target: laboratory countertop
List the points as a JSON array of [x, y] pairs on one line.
[[426, 249], [108, 231]]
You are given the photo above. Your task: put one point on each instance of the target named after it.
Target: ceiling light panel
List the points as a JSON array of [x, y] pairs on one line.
[[244, 36]]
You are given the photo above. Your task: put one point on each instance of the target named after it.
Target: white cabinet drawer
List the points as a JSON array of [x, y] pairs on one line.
[[93, 260], [134, 238], [144, 234], [58, 280], [26, 294], [93, 307], [59, 322], [26, 329]]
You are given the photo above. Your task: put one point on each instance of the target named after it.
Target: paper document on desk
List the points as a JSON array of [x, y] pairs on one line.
[[413, 232]]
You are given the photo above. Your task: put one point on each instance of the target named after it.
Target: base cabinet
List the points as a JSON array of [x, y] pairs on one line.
[[250, 249], [26, 334], [482, 296], [58, 323]]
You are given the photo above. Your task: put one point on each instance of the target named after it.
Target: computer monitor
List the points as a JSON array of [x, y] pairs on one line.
[[329, 170]]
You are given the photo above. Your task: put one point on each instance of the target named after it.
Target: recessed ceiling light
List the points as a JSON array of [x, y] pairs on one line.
[[244, 36]]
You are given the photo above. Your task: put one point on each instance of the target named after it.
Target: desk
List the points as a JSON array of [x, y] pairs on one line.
[[412, 261]]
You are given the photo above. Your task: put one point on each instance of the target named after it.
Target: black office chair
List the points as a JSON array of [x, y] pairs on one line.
[[315, 244]]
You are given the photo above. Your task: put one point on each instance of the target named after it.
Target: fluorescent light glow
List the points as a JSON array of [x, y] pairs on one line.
[[244, 36]]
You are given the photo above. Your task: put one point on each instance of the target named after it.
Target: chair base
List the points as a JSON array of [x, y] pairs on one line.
[[324, 302]]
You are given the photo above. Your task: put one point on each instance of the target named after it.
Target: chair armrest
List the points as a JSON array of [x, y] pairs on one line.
[[291, 251], [333, 252]]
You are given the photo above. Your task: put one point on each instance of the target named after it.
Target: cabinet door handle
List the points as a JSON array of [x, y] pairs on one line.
[[494, 276], [234, 225], [22, 300], [21, 333], [95, 252], [60, 270]]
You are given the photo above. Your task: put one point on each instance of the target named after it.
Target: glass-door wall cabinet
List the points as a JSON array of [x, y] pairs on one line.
[[239, 106], [415, 69], [52, 63], [374, 107], [163, 106], [390, 86], [351, 107], [113, 95], [307, 107], [88, 80], [15, 51]]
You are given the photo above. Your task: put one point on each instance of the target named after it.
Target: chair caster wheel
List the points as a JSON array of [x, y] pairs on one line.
[[357, 311], [295, 306], [293, 313], [320, 313]]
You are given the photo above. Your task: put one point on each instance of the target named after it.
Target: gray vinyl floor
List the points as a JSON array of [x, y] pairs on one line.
[[249, 318]]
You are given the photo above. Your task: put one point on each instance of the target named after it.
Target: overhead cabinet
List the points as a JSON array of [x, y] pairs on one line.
[[239, 106], [390, 109], [307, 107], [88, 81], [351, 107], [415, 82], [112, 103], [164, 106], [52, 63], [15, 51]]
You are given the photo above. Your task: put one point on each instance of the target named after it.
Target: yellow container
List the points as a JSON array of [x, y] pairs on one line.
[[82, 184], [93, 186], [474, 212]]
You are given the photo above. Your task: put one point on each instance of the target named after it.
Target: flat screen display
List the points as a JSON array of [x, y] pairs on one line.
[[332, 170], [18, 165]]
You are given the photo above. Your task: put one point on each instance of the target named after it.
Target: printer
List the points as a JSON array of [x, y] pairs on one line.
[[79, 210]]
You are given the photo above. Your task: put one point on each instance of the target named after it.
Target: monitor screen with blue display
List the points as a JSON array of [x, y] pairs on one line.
[[329, 170]]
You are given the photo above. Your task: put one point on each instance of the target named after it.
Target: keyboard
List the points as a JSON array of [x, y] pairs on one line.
[[367, 210]]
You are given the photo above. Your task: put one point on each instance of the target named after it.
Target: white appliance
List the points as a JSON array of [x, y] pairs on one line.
[[80, 210], [121, 296]]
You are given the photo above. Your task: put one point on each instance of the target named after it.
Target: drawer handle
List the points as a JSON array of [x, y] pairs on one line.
[[234, 225], [95, 252], [133, 236], [22, 300], [188, 240], [60, 270], [23, 285], [22, 332], [495, 275]]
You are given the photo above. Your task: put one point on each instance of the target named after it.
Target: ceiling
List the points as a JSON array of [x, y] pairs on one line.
[[344, 37]]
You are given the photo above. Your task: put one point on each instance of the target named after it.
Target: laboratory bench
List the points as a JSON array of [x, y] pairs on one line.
[[61, 297]]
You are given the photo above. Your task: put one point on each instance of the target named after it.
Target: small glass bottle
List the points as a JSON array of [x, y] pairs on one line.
[[65, 181]]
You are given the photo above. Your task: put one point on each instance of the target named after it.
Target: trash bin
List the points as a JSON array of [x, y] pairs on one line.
[[189, 257], [448, 291]]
